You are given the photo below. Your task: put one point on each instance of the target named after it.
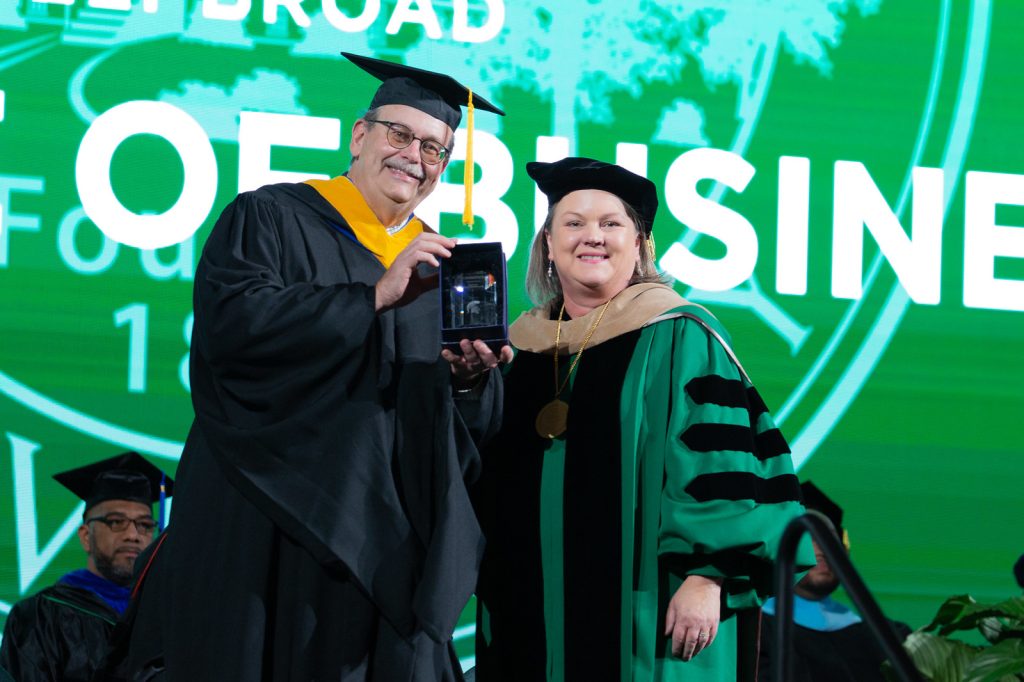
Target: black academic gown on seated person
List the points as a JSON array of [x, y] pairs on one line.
[[57, 635], [321, 528], [850, 654]]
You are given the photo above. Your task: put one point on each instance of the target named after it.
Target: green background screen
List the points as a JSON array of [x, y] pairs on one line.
[[841, 183]]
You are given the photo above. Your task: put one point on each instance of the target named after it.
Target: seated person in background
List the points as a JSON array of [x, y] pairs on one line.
[[830, 642], [60, 633]]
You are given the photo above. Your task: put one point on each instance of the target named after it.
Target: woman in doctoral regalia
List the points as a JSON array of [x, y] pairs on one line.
[[633, 501]]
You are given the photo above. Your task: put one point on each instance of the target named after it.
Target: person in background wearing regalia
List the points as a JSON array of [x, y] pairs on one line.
[[830, 641], [322, 528], [635, 495], [61, 633]]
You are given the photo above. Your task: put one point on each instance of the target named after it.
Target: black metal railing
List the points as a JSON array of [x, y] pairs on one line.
[[841, 565]]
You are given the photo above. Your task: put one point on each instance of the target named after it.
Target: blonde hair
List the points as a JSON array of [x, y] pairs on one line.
[[543, 289]]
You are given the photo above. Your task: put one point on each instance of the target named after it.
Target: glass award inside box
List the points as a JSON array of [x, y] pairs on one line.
[[474, 296]]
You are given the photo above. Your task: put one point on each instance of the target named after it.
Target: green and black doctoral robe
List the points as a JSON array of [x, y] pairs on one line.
[[670, 465], [321, 528], [57, 635]]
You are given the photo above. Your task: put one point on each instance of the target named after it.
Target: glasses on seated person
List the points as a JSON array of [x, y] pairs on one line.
[[119, 524]]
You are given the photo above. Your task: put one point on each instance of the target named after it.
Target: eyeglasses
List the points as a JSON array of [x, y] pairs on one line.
[[400, 137], [119, 524]]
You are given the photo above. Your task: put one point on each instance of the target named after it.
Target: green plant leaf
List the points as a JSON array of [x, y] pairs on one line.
[[1002, 661], [950, 611], [991, 629], [1010, 632], [938, 658], [973, 613], [998, 629], [1012, 607]]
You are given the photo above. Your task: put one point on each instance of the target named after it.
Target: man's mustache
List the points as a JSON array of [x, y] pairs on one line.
[[412, 169]]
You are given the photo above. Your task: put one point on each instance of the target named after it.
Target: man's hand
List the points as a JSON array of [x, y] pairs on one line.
[[394, 286], [693, 615], [476, 358]]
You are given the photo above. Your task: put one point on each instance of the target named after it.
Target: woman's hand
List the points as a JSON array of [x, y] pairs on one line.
[[693, 615], [476, 359]]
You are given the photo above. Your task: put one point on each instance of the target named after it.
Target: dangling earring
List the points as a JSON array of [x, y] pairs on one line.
[[551, 269]]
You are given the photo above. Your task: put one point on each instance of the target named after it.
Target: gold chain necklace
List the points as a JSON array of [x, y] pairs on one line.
[[553, 417]]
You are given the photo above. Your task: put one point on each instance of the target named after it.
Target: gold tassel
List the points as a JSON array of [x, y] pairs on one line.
[[650, 248], [468, 174]]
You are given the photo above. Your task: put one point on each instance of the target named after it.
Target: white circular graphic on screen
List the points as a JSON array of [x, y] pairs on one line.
[[92, 173]]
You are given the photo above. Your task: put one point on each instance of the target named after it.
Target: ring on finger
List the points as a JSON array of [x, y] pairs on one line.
[[702, 636]]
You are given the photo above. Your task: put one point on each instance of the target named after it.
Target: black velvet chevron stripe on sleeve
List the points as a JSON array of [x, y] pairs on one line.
[[736, 485], [717, 390], [736, 561], [713, 389], [770, 444], [757, 406], [711, 437]]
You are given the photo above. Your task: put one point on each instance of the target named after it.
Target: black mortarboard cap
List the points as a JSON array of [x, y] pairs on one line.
[[570, 174], [128, 476], [815, 499], [432, 93]]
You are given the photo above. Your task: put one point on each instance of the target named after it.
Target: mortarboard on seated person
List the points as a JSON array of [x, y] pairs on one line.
[[817, 501], [61, 632]]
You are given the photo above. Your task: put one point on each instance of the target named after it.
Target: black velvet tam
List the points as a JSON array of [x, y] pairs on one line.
[[574, 173], [432, 93]]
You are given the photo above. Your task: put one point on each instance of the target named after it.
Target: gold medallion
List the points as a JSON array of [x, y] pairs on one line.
[[551, 420], [553, 417]]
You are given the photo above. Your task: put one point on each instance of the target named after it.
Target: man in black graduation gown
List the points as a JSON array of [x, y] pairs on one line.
[[322, 529], [60, 633], [830, 642]]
